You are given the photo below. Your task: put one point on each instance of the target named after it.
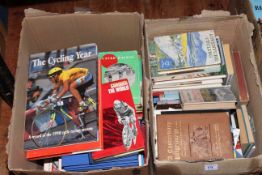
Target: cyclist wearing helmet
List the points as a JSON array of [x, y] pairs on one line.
[[70, 79]]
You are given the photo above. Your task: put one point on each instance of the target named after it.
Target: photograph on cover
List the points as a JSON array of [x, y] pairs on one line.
[[61, 106], [120, 71]]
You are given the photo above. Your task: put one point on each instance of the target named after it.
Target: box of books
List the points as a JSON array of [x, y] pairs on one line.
[[205, 95], [65, 118]]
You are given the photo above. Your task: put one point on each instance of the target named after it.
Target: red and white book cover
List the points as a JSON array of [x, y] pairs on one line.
[[122, 134]]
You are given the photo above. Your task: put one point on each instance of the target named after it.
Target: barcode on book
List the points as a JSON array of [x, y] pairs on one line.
[[211, 167]]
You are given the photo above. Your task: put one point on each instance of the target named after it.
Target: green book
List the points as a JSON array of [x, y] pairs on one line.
[[123, 65]]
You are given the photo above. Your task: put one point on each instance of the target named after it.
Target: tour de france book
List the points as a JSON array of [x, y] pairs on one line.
[[198, 136], [61, 110], [121, 128], [123, 65], [191, 51]]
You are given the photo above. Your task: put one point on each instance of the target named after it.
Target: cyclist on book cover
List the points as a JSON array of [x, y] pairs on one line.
[[70, 80], [126, 116]]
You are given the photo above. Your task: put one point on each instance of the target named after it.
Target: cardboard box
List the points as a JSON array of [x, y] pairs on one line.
[[237, 31], [42, 31], [238, 7]]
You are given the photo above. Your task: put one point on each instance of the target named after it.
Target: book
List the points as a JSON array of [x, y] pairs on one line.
[[52, 165], [208, 98], [123, 65], [193, 86], [190, 77], [199, 136], [122, 132], [187, 51], [56, 124], [171, 84], [239, 84], [84, 162], [247, 139], [229, 65]]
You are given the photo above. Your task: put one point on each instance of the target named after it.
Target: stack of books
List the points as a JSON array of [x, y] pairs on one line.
[[84, 109], [198, 92]]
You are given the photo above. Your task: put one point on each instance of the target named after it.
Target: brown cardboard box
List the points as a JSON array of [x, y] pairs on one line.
[[238, 7], [42, 31], [237, 31]]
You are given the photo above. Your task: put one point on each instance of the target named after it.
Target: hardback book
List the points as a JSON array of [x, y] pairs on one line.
[[229, 64], [198, 136], [56, 122], [84, 162], [247, 139], [207, 98], [122, 134], [190, 51], [239, 84], [123, 65]]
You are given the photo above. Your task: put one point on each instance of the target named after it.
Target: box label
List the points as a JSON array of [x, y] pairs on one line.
[[211, 167]]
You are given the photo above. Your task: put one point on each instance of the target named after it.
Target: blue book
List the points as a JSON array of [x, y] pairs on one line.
[[84, 162]]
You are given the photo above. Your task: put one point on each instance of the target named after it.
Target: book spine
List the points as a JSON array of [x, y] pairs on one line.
[[241, 81]]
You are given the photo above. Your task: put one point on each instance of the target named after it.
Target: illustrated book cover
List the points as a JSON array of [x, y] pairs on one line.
[[194, 136], [187, 51], [123, 65], [208, 98], [61, 110], [122, 132]]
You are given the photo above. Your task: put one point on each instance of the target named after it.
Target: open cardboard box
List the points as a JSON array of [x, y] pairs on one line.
[[42, 31], [237, 31], [237, 6]]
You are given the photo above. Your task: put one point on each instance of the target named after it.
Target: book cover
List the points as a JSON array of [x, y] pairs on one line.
[[194, 136], [192, 50], [123, 65], [208, 98], [122, 132], [61, 112]]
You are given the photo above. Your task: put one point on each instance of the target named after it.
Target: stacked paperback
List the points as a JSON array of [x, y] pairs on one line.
[[200, 98], [84, 109]]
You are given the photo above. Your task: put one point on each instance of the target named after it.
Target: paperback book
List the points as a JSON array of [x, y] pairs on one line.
[[122, 134], [123, 65], [190, 51], [61, 113]]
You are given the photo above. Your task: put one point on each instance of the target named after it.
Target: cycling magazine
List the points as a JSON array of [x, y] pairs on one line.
[[61, 109]]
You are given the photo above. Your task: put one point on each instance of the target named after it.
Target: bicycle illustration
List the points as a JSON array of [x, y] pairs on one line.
[[54, 121]]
